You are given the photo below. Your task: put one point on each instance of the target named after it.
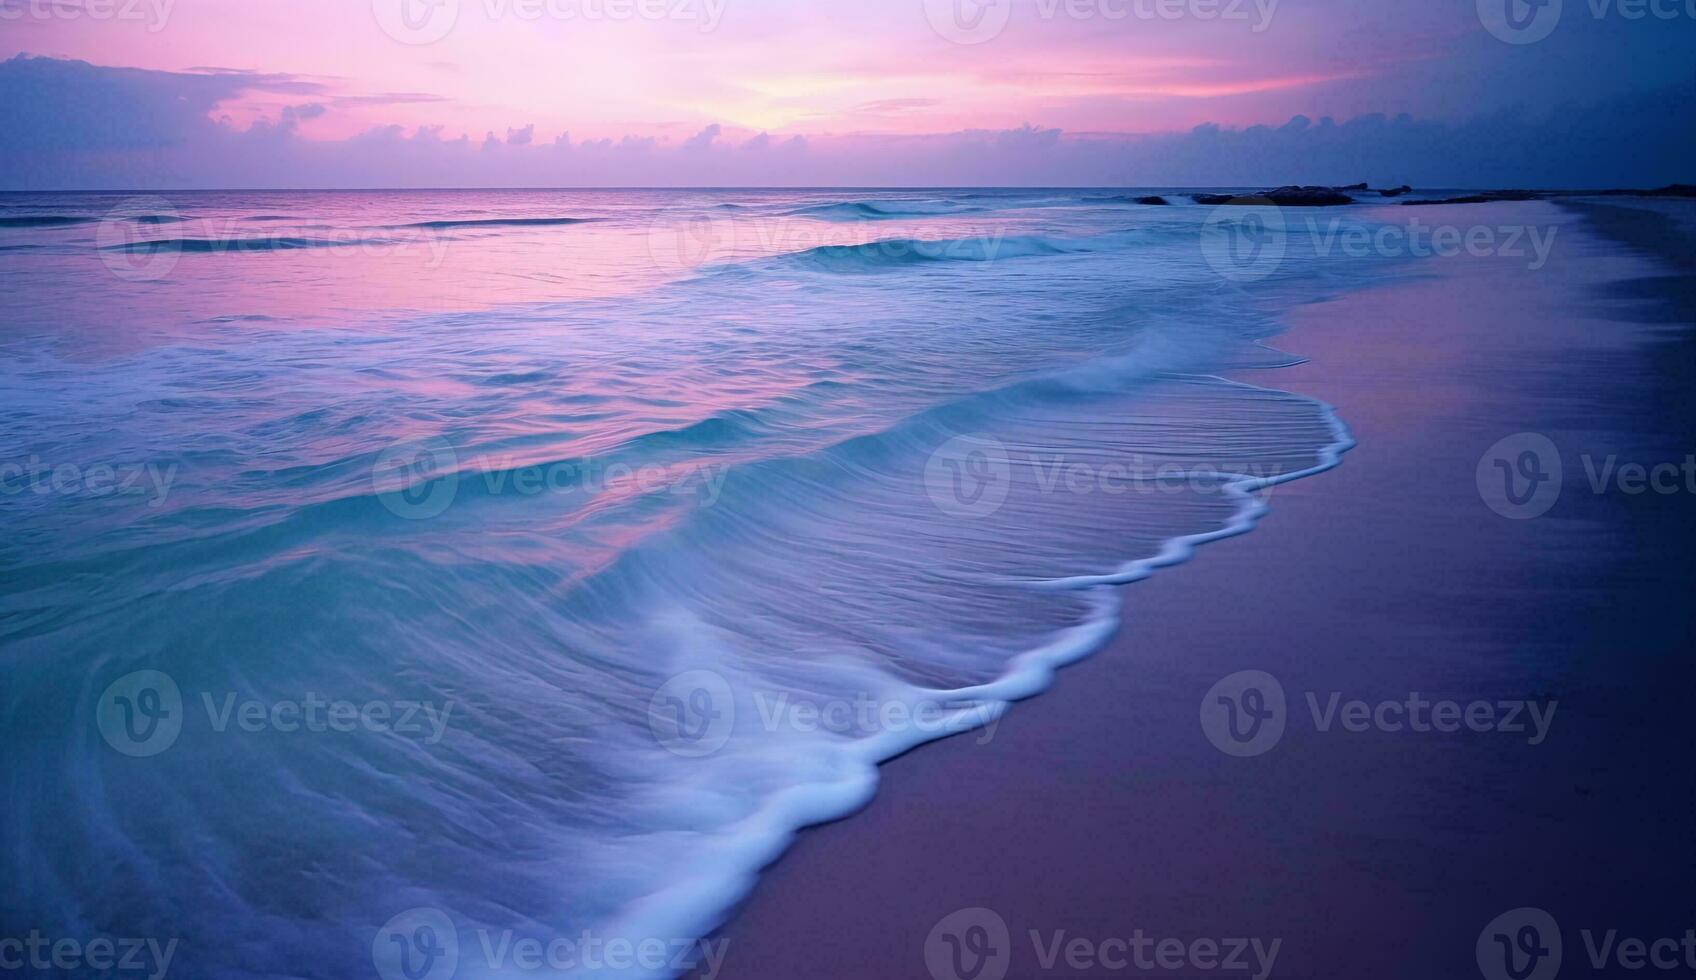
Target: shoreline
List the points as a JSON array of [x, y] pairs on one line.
[[1360, 838]]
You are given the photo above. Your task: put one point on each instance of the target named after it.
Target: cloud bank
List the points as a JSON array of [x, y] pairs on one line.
[[71, 125]]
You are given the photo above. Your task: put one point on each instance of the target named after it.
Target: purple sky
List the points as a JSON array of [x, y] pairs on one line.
[[262, 93]]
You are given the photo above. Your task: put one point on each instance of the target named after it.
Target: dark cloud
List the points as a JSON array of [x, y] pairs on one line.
[[51, 105]]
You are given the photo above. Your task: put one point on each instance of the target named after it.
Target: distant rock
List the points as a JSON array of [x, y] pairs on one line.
[[1487, 197], [1311, 196], [1671, 190], [1306, 196], [1113, 199], [1292, 196]]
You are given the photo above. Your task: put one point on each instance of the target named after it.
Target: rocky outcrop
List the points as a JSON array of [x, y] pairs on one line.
[[1307, 197], [1292, 196], [1671, 190], [1487, 197], [1312, 196]]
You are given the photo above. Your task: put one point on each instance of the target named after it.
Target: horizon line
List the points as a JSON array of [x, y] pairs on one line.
[[792, 187]]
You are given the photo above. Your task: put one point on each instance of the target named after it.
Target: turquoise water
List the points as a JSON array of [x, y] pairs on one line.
[[537, 563]]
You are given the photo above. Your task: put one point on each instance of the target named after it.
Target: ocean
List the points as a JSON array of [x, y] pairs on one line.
[[391, 577]]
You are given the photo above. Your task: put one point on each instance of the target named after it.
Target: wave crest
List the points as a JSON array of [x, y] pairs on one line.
[[900, 253], [881, 210], [495, 223]]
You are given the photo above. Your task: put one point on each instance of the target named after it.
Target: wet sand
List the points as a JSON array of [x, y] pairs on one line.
[[1100, 808]]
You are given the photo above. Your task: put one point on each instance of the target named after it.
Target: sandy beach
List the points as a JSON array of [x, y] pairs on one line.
[[1100, 810]]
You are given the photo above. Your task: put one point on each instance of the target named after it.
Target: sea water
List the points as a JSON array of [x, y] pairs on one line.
[[534, 564]]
